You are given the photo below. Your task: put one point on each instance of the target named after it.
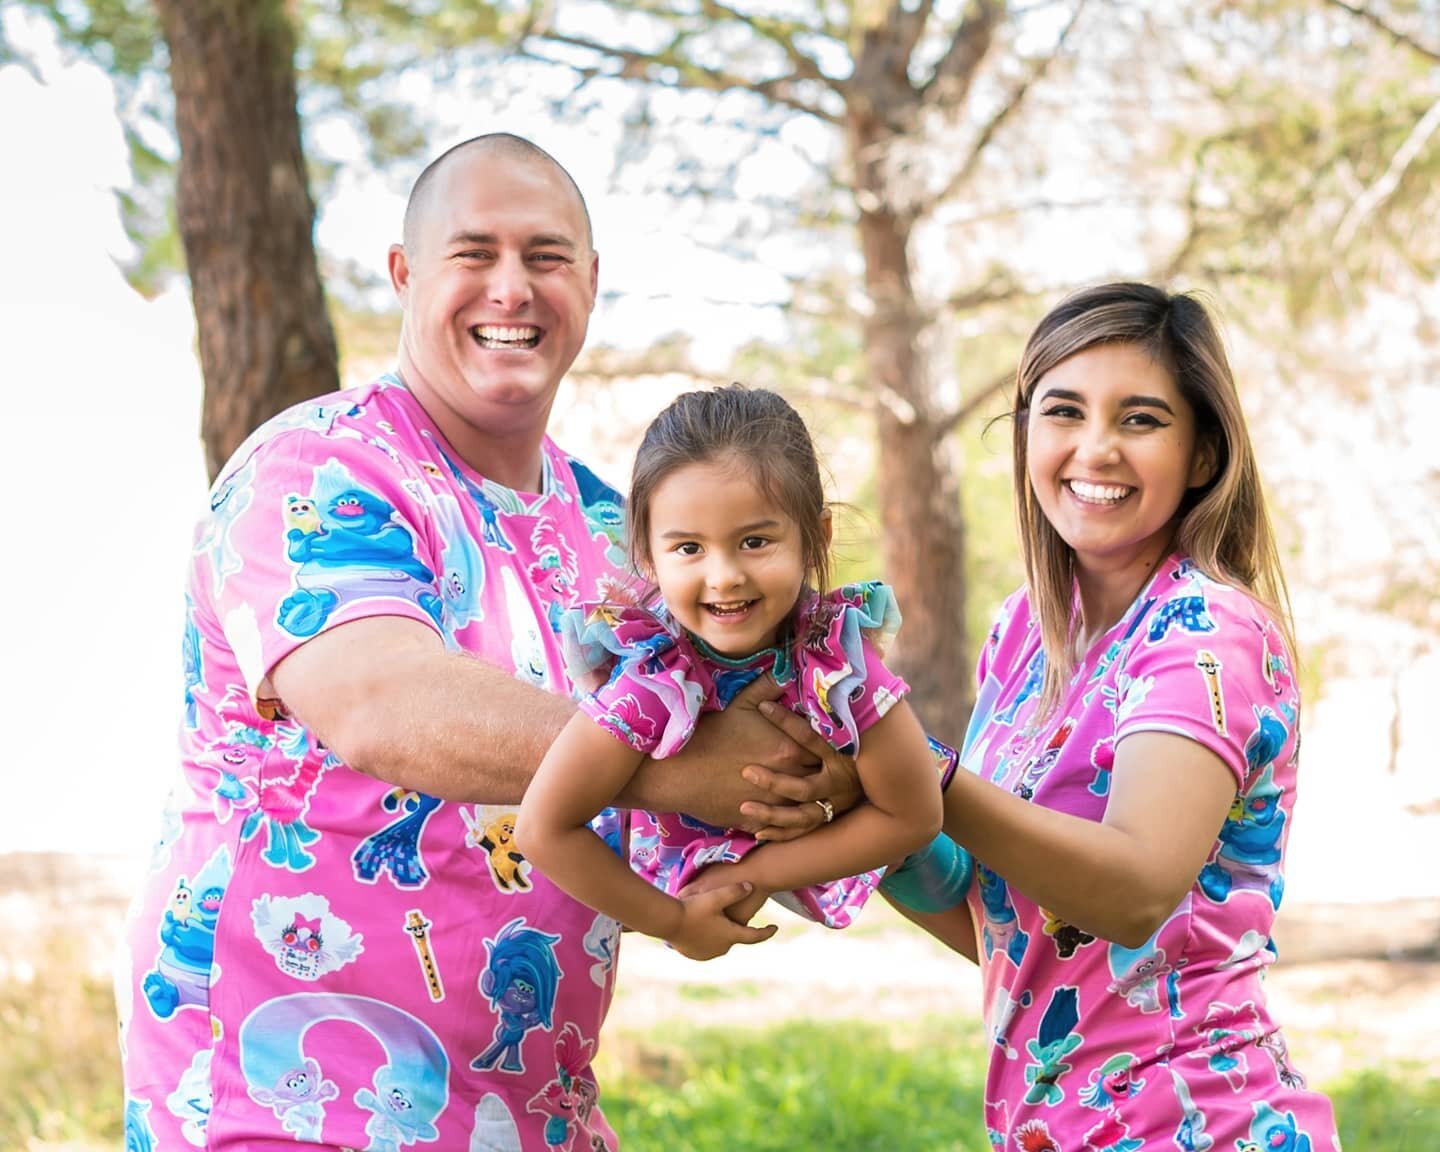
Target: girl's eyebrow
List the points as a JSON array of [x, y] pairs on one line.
[[740, 530], [1136, 401]]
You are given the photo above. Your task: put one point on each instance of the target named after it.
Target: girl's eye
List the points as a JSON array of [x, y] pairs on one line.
[[752, 542], [688, 548]]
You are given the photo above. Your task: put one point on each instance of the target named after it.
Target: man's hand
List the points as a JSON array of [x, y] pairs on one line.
[[790, 806]]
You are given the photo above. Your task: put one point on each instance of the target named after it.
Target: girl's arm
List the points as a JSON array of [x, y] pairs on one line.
[[903, 811], [954, 927], [583, 771], [1120, 878]]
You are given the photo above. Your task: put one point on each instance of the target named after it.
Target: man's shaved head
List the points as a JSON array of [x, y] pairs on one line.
[[501, 145]]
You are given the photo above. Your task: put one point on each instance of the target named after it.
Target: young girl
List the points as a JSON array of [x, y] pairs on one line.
[[1131, 761], [728, 524]]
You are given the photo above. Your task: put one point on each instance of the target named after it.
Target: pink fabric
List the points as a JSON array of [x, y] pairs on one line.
[[1169, 1045], [652, 681], [318, 956]]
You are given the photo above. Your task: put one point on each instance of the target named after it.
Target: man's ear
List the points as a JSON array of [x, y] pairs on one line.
[[399, 270]]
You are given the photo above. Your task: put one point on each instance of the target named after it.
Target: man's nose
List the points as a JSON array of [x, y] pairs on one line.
[[509, 282]]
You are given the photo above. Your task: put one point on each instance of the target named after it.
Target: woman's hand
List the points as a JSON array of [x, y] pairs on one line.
[[791, 806]]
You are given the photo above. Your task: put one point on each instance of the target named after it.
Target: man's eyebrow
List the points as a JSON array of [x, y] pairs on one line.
[[539, 240]]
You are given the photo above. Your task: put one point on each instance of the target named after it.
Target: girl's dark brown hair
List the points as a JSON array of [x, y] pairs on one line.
[[763, 436], [1223, 525]]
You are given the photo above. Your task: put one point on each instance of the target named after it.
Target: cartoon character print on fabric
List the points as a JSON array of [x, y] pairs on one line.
[[1128, 693], [1247, 855], [1113, 650], [193, 1099], [410, 1086], [520, 979], [1273, 1045], [347, 544], [1055, 1039], [1034, 1136], [1002, 1014], [304, 938], [494, 1129], [567, 1101], [1210, 667], [604, 511], [193, 661], [229, 499], [1272, 660], [602, 942], [1227, 1030], [1112, 1083], [236, 759], [1001, 930], [527, 649], [1102, 759], [1273, 1131], [555, 571], [1190, 1134], [1068, 938], [462, 567], [1111, 1134], [484, 496], [287, 801], [139, 1136], [1040, 765], [1029, 688], [417, 927], [395, 848], [492, 830], [1138, 972], [1189, 613], [182, 972]]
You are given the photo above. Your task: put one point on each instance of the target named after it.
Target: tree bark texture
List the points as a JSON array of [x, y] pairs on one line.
[[918, 477], [246, 217]]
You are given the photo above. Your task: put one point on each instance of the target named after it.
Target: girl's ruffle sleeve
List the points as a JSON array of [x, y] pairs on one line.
[[843, 683], [632, 676]]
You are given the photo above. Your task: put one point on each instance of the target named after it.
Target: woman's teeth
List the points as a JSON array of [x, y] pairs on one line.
[[1099, 493]]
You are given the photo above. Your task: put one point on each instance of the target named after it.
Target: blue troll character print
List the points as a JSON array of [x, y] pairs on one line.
[[1034, 679], [520, 979], [1001, 930], [396, 847], [1191, 613], [1272, 1131], [347, 544], [139, 1136], [1248, 856], [1055, 1040], [604, 511], [492, 534], [181, 976], [194, 663]]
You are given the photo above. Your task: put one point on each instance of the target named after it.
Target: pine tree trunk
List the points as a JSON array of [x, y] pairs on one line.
[[917, 472], [245, 215]]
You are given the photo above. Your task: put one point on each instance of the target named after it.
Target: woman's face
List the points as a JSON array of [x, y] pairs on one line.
[[1112, 449]]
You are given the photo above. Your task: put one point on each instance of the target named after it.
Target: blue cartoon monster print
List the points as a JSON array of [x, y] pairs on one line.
[[1001, 930], [1191, 613], [520, 980], [604, 510], [1034, 680], [1248, 857], [347, 544], [396, 847], [1272, 1131], [181, 976], [139, 1136], [1055, 1040]]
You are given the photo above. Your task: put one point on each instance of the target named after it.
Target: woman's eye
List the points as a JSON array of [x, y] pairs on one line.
[[1062, 411], [1142, 420]]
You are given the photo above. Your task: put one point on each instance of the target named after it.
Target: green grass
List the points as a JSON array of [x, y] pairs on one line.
[[914, 1086]]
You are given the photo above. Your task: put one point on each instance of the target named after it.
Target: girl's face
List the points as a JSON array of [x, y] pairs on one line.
[[1111, 451], [728, 562]]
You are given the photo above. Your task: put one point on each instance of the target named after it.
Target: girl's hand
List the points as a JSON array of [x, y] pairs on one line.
[[718, 875], [707, 931]]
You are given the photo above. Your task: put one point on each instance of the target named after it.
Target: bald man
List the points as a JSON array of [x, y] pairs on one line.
[[337, 942]]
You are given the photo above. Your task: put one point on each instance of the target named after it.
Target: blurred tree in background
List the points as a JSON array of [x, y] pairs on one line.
[[927, 176]]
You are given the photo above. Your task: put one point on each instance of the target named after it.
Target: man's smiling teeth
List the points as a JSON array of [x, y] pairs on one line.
[[503, 336], [1099, 493]]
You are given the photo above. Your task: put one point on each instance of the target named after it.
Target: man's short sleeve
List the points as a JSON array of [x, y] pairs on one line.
[[310, 532]]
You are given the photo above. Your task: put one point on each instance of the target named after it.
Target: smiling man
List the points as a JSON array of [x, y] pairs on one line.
[[371, 679]]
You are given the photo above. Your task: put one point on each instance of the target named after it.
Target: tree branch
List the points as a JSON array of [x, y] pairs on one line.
[[1379, 22], [997, 121], [1378, 192]]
